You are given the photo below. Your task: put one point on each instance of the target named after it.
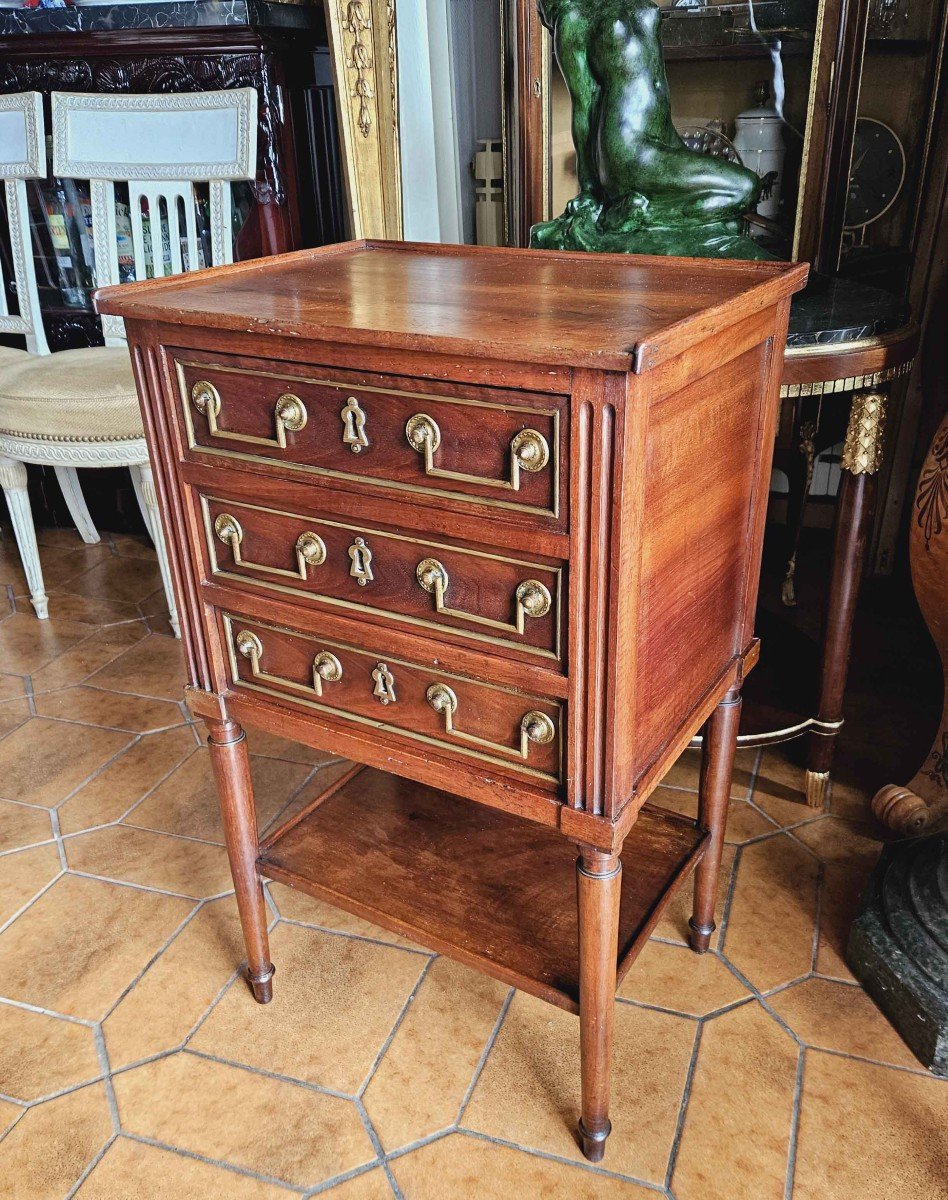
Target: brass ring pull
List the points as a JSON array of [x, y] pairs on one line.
[[310, 549], [326, 667], [535, 726], [532, 598], [289, 414], [529, 451]]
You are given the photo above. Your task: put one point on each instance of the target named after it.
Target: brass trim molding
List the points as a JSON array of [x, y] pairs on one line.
[[370, 480], [378, 722], [849, 383], [531, 603]]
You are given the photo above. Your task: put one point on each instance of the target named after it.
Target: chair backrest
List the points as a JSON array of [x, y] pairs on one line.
[[160, 146], [22, 157]]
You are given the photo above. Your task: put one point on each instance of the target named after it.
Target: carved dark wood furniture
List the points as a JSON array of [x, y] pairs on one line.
[[487, 522], [847, 346]]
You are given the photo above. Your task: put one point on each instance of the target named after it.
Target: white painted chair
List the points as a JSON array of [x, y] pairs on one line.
[[79, 408]]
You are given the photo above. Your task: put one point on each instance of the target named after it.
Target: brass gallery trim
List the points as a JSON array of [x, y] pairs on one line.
[[874, 342], [851, 383], [556, 572], [774, 736], [239, 681], [371, 480]]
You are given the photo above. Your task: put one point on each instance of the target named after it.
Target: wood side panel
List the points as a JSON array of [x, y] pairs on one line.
[[703, 457]]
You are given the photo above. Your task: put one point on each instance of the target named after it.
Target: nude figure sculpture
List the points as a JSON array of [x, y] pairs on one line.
[[641, 190]]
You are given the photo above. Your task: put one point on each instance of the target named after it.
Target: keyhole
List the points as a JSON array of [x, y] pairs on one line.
[[360, 557], [353, 426]]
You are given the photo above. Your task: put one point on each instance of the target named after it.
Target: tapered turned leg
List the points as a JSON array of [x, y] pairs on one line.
[[714, 791], [231, 762], [598, 884], [861, 459]]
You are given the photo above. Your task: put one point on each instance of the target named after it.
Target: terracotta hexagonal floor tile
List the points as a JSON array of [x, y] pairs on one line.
[[152, 667], [870, 1133], [744, 822], [131, 1168], [370, 1185], [83, 942], [280, 1130], [157, 860], [78, 663], [676, 978], [461, 1165], [93, 611], [186, 802], [114, 790], [780, 787], [839, 1016], [24, 873], [735, 1140], [40, 1054], [21, 825], [124, 580], [673, 925], [435, 1053], [529, 1090], [685, 771], [29, 644], [52, 1144], [271, 746], [12, 687], [335, 1002], [12, 714], [112, 710], [770, 929], [43, 761], [193, 970]]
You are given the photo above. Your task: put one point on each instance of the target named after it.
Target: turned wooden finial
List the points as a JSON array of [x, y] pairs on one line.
[[899, 809]]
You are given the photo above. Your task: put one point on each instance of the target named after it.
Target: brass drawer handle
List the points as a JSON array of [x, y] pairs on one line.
[[289, 413], [535, 726], [532, 598], [326, 667], [528, 452], [310, 549]]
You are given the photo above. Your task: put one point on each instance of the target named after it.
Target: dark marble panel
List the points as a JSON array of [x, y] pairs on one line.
[[165, 14], [830, 310]]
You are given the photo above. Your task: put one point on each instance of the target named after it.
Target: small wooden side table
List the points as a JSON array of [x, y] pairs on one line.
[[847, 344], [487, 522]]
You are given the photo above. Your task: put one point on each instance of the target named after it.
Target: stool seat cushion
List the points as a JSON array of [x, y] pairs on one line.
[[75, 395]]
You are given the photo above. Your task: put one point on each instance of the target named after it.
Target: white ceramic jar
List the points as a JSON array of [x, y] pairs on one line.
[[759, 142]]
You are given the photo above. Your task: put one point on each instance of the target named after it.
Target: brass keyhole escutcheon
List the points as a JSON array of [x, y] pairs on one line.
[[353, 426], [384, 690], [360, 558]]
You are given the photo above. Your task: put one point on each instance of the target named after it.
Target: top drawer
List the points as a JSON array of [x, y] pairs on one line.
[[480, 446]]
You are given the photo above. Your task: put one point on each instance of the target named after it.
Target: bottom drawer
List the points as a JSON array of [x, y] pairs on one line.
[[465, 716]]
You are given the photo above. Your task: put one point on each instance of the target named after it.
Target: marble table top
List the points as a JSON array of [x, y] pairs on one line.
[[829, 311]]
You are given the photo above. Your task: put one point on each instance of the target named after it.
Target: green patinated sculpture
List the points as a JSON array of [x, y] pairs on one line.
[[641, 190]]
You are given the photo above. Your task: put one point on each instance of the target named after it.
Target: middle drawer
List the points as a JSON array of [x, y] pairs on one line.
[[483, 596]]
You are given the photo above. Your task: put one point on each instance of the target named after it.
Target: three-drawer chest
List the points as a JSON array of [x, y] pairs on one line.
[[488, 523]]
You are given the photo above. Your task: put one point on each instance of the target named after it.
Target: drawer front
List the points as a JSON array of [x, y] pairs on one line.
[[494, 449], [479, 721], [492, 599]]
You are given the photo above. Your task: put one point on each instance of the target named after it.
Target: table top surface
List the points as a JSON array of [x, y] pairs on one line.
[[607, 312], [832, 311]]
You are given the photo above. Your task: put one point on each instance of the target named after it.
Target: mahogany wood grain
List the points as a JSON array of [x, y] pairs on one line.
[[598, 889], [506, 895], [607, 312], [714, 793], [655, 384], [231, 764], [814, 364]]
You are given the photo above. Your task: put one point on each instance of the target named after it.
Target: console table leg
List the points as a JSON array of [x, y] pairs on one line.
[[861, 459], [231, 762], [718, 747], [598, 885]]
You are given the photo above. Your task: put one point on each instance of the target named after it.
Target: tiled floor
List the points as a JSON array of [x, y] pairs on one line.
[[134, 1062]]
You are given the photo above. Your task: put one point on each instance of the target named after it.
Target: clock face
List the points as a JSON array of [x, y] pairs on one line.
[[876, 175]]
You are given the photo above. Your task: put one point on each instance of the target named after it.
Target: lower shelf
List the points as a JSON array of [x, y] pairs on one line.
[[492, 890]]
